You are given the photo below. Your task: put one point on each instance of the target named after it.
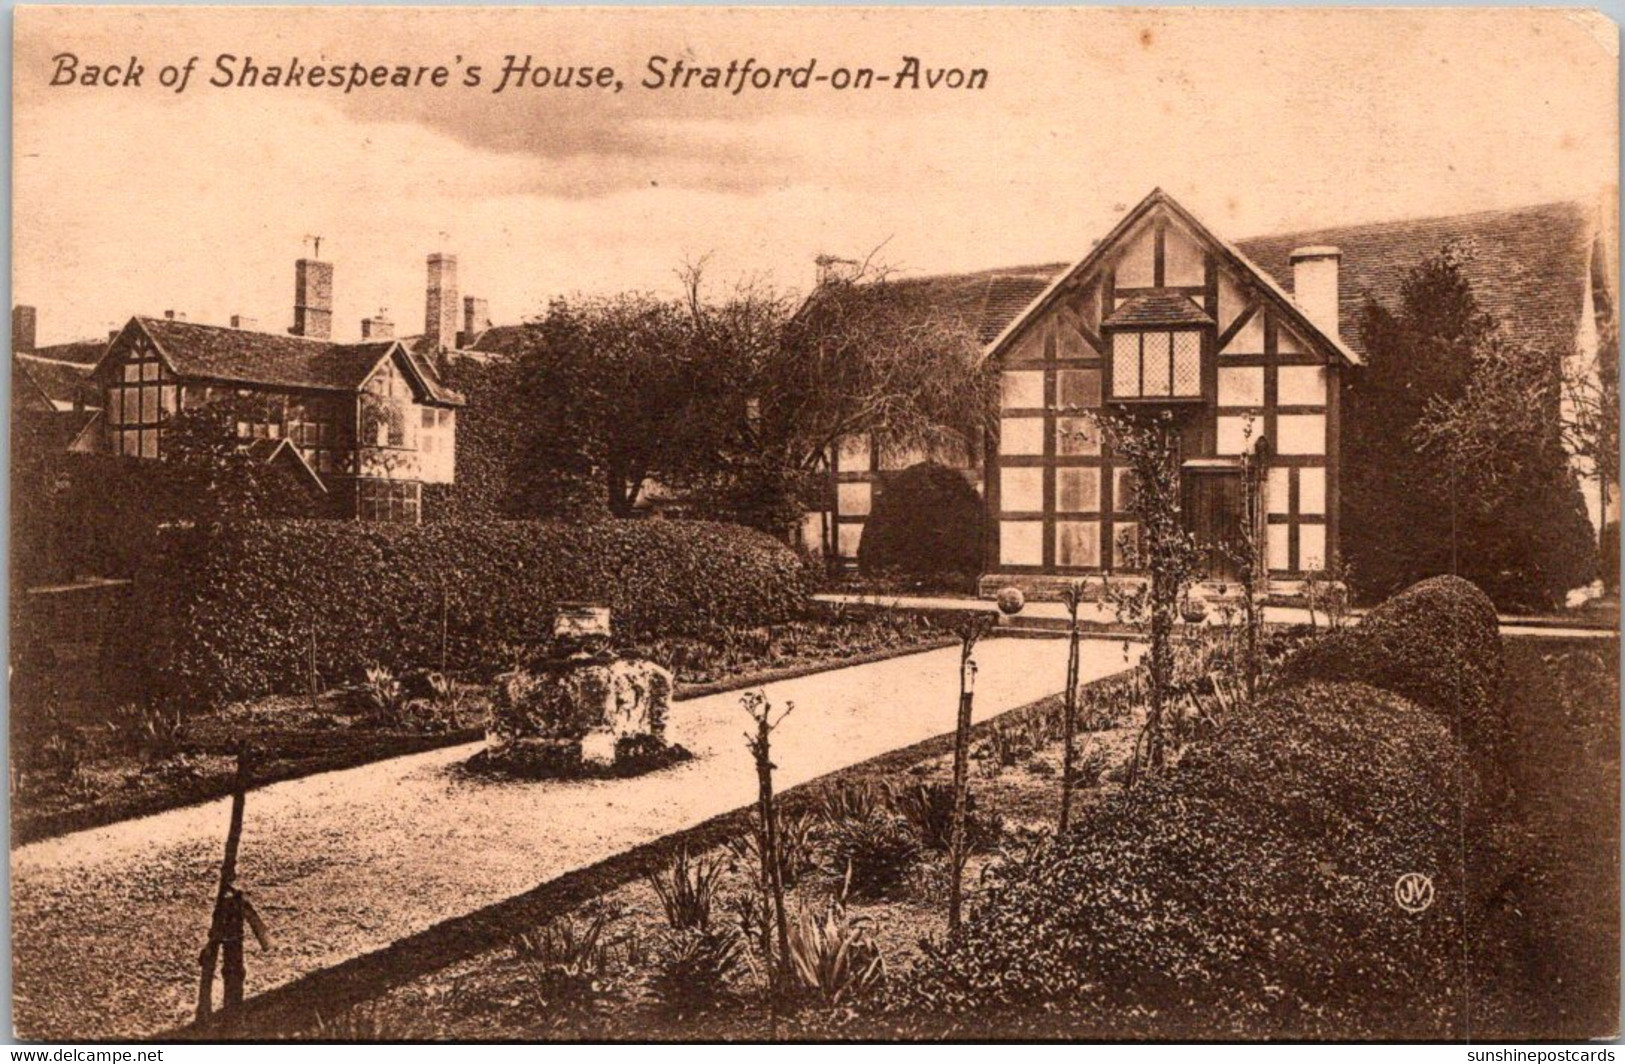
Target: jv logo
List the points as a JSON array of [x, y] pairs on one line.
[[1413, 892]]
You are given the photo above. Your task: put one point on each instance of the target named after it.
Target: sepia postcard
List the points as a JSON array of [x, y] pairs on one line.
[[814, 524]]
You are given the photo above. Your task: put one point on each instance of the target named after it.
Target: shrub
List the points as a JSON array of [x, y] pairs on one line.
[[833, 957], [1249, 892], [872, 854], [925, 522], [794, 833], [687, 890], [929, 810], [567, 967], [240, 608], [1437, 643], [695, 970]]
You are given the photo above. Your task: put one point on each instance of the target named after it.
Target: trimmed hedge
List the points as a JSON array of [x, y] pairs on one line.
[[1249, 892], [236, 611], [926, 522], [1437, 643]]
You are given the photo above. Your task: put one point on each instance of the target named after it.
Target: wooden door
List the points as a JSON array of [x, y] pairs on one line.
[[1213, 513]]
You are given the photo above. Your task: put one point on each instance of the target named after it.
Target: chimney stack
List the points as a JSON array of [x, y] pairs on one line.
[[238, 321], [174, 315], [377, 327], [440, 312], [476, 318], [24, 320], [313, 299], [1314, 285]]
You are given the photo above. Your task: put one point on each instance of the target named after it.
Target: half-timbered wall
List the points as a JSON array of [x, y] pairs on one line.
[[1236, 370]]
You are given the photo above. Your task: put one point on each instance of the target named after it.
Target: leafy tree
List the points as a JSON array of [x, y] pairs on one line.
[[1454, 462], [210, 475], [927, 523], [1591, 425]]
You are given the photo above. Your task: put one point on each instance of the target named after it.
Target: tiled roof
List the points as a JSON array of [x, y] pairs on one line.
[[1529, 270], [1159, 308], [82, 352], [218, 353], [61, 382]]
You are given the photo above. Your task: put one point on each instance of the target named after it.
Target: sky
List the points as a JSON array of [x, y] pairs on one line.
[[138, 199]]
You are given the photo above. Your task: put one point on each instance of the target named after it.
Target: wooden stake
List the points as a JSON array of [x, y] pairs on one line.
[[218, 929], [956, 846]]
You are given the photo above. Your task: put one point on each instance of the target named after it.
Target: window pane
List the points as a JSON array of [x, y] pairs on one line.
[[132, 442], [1311, 490], [1021, 435], [132, 371], [1241, 386], [1301, 385], [149, 371], [1023, 388], [1301, 434], [1154, 365], [1187, 363], [1079, 388], [149, 405], [1021, 489], [169, 398], [115, 406], [149, 443], [428, 417], [1077, 543], [1280, 484], [853, 499], [1125, 545], [1077, 490], [1021, 542], [1126, 364], [1076, 435]]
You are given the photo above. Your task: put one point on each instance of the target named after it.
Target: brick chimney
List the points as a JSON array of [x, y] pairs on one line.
[[1314, 285], [313, 299], [476, 318], [377, 327], [441, 309], [174, 315], [24, 321], [238, 321]]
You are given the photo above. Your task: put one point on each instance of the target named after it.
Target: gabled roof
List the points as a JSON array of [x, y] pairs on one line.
[[1237, 260], [268, 451], [244, 356], [61, 383], [498, 340], [1529, 270]]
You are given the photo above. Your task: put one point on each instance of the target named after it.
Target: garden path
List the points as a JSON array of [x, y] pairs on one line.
[[107, 923]]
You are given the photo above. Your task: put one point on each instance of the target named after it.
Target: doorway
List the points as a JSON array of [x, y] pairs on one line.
[[1213, 501]]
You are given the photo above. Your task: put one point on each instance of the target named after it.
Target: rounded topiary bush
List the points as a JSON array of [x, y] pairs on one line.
[[1437, 643], [926, 522], [1248, 892]]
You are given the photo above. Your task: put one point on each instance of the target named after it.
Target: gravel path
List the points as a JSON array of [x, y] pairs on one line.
[[107, 923]]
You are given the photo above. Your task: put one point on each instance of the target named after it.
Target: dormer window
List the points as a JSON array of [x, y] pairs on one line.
[[1157, 364]]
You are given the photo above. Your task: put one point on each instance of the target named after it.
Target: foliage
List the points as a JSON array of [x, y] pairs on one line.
[[688, 889], [872, 854], [834, 958], [795, 834], [1453, 436], [235, 610], [1247, 892], [1436, 643], [382, 693], [1149, 445], [568, 969], [925, 522], [489, 453], [209, 476], [695, 970], [928, 808]]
